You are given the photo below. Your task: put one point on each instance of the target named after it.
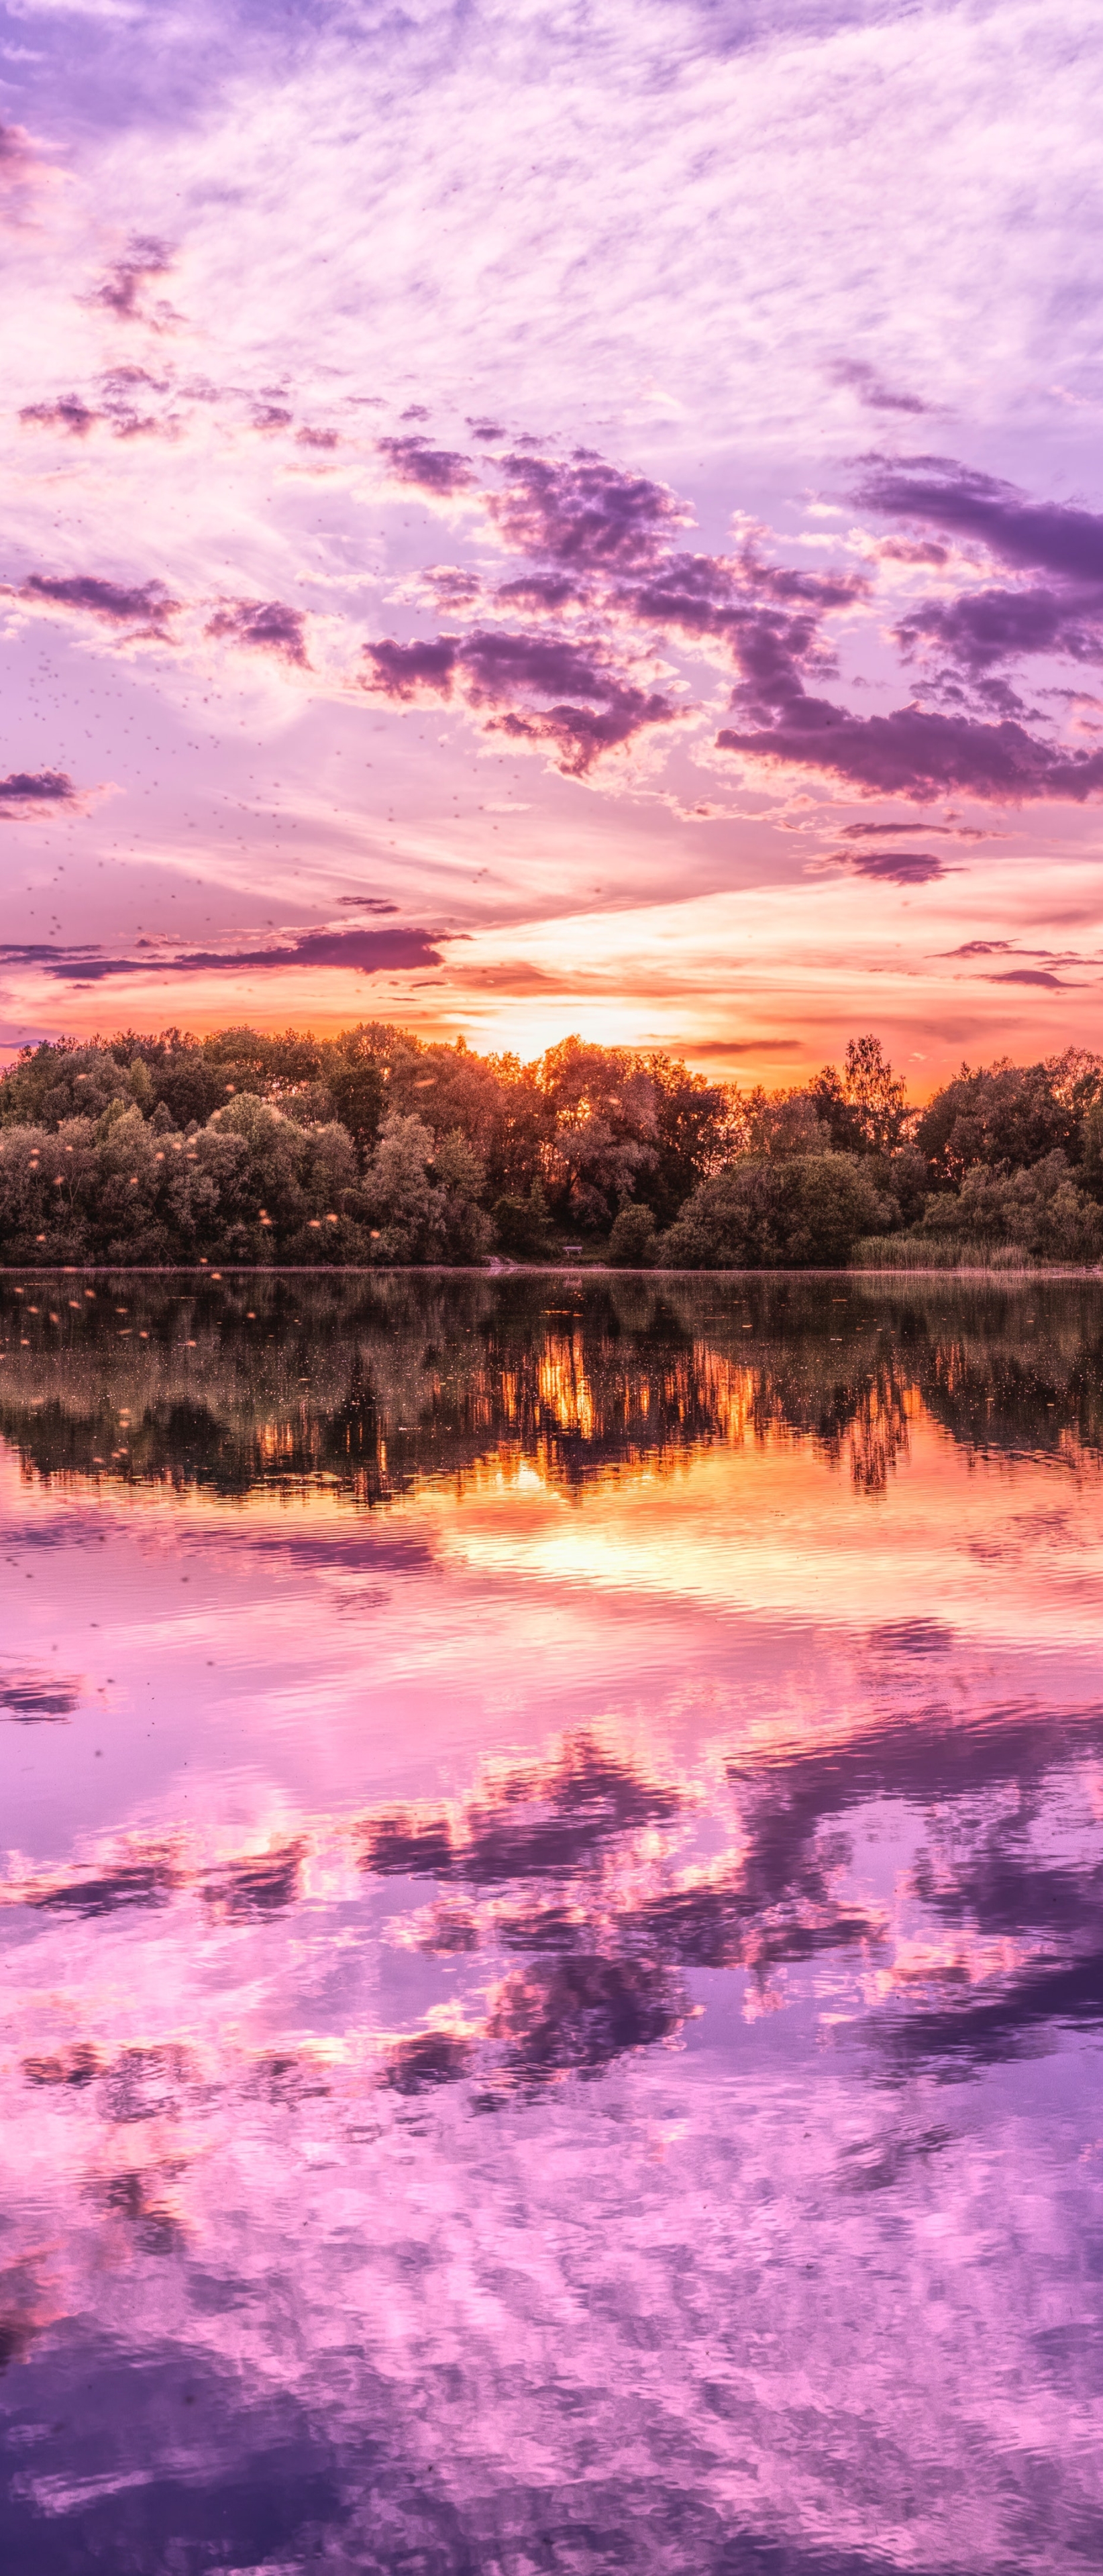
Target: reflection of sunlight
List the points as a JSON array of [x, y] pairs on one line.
[[772, 1528]]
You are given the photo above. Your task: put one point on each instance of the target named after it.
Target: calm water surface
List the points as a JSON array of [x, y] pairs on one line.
[[553, 1911]]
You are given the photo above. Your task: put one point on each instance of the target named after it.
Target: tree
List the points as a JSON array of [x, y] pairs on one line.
[[605, 1126], [633, 1242], [864, 1112], [354, 1080], [1039, 1208], [522, 1227], [694, 1134], [805, 1212], [1008, 1115]]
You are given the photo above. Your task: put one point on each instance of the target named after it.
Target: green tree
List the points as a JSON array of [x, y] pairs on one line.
[[807, 1211], [633, 1243]]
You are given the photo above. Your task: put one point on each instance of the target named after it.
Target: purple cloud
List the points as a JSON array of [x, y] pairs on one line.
[[266, 626], [1034, 975], [113, 601], [546, 593], [120, 289], [912, 551], [366, 952], [498, 663], [986, 626], [890, 867], [452, 587], [68, 413], [495, 668], [916, 754], [402, 670], [580, 734], [1044, 536], [584, 513], [23, 789], [431, 469], [944, 831]]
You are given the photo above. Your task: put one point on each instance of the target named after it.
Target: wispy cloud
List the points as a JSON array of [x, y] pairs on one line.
[[871, 389]]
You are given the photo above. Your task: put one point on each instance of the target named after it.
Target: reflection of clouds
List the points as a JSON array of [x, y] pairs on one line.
[[617, 2343], [30, 1695], [410, 2112]]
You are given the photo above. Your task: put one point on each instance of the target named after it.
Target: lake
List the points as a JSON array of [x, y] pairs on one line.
[[553, 1911]]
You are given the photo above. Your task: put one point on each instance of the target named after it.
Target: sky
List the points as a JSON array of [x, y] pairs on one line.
[[569, 517]]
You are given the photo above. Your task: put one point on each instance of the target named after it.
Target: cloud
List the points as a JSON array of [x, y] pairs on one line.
[[920, 755], [73, 417], [88, 594], [544, 592], [871, 389], [404, 670], [266, 626], [584, 513], [912, 551], [363, 952], [753, 1047], [987, 626], [1047, 536], [889, 867], [1035, 975], [932, 831], [119, 291], [25, 792], [495, 669], [67, 413], [452, 587], [430, 469], [978, 948]]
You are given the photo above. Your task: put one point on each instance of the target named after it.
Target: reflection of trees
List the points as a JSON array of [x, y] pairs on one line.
[[372, 1384]]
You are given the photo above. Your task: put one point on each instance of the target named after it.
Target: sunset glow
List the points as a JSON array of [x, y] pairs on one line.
[[507, 533]]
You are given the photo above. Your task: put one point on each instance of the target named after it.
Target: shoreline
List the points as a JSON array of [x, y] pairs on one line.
[[524, 1270]]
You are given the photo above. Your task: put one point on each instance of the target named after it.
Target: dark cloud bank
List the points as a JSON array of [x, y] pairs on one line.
[[603, 549]]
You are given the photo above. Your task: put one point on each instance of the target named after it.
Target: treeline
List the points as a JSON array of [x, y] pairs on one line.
[[376, 1148]]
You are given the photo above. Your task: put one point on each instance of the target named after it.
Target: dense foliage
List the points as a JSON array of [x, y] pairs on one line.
[[246, 1147]]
